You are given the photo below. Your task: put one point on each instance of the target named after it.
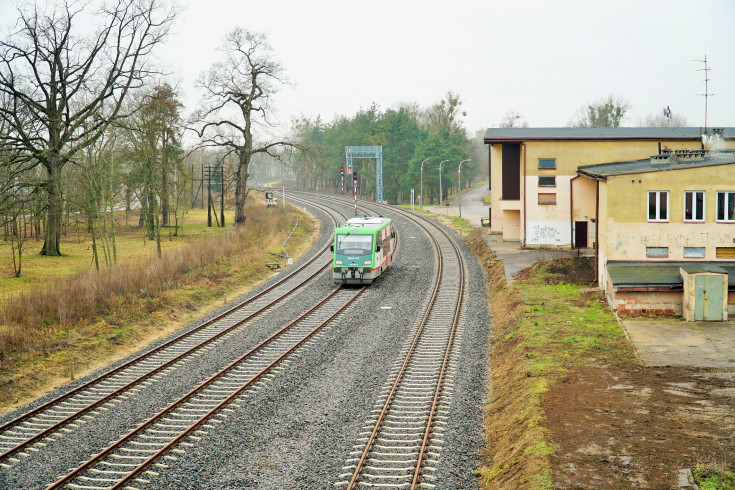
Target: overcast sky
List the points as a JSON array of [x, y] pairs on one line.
[[541, 58]]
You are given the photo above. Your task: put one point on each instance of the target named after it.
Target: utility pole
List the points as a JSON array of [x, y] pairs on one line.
[[209, 196], [222, 195]]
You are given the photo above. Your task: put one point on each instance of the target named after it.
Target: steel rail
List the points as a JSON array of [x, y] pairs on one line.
[[71, 418], [202, 420], [378, 423], [416, 478], [450, 344]]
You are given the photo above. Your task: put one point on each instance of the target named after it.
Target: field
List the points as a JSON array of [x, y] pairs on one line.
[[62, 319]]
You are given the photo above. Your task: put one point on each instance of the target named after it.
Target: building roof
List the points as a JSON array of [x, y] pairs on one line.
[[677, 160], [500, 135], [661, 275], [703, 267]]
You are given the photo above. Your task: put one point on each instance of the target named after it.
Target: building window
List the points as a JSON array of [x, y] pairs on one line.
[[547, 181], [657, 252], [658, 205], [693, 252], [547, 163], [694, 206], [726, 206], [725, 252], [546, 198]]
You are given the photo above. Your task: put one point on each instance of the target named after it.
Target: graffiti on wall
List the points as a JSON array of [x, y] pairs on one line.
[[548, 233]]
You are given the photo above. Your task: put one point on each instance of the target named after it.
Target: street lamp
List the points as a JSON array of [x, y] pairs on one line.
[[460, 185], [440, 181], [421, 197]]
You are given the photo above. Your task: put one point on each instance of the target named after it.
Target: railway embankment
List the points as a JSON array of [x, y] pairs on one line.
[[571, 406], [38, 356]]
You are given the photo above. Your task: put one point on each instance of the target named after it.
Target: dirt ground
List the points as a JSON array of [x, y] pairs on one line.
[[635, 427]]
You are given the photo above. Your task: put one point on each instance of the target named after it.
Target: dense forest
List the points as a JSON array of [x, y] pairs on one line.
[[408, 135]]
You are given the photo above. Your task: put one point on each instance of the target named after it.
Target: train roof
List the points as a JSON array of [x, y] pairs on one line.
[[369, 222]]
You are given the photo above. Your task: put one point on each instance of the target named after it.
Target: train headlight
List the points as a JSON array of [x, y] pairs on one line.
[[338, 262], [367, 262]]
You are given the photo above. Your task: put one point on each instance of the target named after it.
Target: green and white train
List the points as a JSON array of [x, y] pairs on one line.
[[363, 248]]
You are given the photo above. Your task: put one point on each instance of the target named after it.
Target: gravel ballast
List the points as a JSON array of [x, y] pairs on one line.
[[298, 428]]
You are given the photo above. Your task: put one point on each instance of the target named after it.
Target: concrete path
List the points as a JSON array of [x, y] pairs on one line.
[[675, 342]]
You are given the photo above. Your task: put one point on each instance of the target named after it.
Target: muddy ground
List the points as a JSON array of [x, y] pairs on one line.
[[635, 427]]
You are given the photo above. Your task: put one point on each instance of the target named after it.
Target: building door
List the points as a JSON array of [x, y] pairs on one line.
[[708, 299], [580, 234]]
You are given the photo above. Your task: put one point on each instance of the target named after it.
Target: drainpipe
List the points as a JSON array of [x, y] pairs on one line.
[[523, 241], [571, 209], [597, 232]]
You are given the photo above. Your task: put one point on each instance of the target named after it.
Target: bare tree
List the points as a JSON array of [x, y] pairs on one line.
[[70, 86], [236, 100], [445, 116], [664, 119], [607, 112], [513, 119]]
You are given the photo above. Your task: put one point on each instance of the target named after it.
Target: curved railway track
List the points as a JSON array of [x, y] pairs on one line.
[[402, 438], [26, 434], [128, 458]]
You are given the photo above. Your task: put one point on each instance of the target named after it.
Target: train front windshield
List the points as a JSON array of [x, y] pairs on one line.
[[354, 245]]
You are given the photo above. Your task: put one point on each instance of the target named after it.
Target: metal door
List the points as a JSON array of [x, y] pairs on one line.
[[708, 297]]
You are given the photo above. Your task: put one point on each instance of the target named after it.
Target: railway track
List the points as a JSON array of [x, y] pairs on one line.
[[127, 459], [29, 432], [400, 443]]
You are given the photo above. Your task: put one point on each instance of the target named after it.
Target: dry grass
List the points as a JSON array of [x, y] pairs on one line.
[[98, 308]]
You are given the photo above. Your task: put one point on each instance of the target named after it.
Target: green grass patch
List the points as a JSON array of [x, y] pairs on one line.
[[544, 328], [714, 477]]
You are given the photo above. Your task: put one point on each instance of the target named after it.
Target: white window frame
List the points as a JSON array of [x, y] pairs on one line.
[[658, 206], [724, 195], [694, 219]]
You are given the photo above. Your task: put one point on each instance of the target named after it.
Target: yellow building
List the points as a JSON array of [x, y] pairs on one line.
[[666, 232], [533, 170]]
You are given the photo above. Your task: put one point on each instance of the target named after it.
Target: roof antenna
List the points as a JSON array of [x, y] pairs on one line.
[[706, 93]]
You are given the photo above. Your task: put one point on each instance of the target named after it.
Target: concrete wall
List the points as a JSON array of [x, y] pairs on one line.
[[625, 231], [569, 156]]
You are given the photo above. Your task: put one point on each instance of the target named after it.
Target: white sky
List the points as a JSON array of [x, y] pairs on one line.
[[542, 58]]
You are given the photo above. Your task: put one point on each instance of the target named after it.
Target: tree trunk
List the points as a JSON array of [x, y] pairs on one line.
[[241, 181], [55, 208], [164, 187]]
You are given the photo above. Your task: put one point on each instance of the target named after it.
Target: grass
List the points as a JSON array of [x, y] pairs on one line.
[[543, 328], [55, 326], [713, 476], [76, 248]]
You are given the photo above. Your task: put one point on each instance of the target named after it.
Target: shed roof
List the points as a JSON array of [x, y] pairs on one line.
[[664, 275], [699, 268], [654, 164], [500, 135]]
